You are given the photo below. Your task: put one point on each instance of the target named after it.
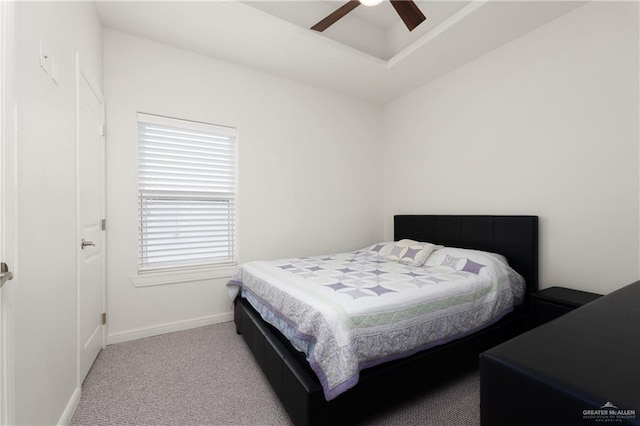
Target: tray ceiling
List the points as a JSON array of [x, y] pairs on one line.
[[377, 31], [368, 54]]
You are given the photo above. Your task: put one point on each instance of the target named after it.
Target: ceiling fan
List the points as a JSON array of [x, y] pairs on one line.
[[407, 9]]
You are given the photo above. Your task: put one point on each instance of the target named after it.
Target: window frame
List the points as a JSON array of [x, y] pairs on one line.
[[197, 271]]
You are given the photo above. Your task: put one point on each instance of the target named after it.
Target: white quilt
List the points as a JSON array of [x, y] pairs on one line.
[[354, 310]]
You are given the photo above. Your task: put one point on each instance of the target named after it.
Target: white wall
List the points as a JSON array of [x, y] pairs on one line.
[[45, 348], [545, 125], [309, 179]]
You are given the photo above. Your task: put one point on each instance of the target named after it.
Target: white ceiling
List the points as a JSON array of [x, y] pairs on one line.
[[368, 54]]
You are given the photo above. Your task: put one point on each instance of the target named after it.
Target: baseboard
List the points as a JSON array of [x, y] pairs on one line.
[[70, 409], [156, 330]]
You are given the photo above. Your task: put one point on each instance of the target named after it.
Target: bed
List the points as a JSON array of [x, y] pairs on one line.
[[314, 394]]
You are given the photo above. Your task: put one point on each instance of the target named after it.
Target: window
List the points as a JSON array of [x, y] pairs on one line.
[[186, 193]]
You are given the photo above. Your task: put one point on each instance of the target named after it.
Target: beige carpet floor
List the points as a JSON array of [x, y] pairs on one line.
[[207, 376]]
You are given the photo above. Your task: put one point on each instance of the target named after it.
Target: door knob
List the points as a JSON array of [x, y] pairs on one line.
[[5, 274], [86, 243]]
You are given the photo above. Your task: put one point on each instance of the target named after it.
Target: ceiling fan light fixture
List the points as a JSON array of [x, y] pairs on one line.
[[370, 2], [407, 9]]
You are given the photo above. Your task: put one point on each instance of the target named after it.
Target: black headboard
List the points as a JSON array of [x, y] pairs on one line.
[[514, 237]]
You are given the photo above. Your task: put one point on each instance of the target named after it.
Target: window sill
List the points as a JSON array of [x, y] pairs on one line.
[[152, 279]]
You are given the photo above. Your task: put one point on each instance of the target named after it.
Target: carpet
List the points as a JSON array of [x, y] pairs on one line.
[[207, 376]]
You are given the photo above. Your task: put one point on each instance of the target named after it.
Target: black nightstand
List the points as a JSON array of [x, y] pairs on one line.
[[553, 302]]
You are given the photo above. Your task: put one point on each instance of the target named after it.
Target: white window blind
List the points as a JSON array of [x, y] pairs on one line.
[[186, 193]]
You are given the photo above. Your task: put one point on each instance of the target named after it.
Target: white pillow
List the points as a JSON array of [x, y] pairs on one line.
[[409, 252], [465, 259]]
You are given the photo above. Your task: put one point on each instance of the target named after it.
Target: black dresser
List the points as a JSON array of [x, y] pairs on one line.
[[582, 368]]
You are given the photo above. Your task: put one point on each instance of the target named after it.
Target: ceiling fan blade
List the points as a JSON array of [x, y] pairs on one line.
[[337, 14], [409, 13]]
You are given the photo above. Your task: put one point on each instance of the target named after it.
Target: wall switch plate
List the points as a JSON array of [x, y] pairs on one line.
[[48, 61], [45, 58]]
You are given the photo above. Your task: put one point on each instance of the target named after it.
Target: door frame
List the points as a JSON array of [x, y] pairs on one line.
[[80, 74], [8, 206]]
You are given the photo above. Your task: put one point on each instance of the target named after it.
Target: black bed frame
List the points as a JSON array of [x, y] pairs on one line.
[[515, 237]]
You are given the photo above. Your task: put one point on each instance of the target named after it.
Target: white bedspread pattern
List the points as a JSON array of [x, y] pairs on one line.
[[354, 310]]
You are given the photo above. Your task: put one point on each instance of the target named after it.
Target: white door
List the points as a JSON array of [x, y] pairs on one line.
[[91, 241], [7, 209]]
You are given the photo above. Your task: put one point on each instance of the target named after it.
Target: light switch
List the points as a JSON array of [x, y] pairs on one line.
[[48, 61], [45, 58]]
